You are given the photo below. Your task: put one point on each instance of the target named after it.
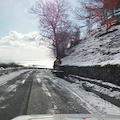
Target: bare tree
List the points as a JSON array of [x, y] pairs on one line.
[[53, 17], [88, 11], [83, 14], [63, 36]]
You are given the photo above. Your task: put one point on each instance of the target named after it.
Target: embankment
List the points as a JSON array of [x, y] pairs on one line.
[[108, 73]]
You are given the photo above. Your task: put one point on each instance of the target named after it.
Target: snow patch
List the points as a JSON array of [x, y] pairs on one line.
[[12, 88], [109, 90], [23, 81], [105, 91], [5, 78], [3, 107], [46, 90], [2, 98], [38, 79]]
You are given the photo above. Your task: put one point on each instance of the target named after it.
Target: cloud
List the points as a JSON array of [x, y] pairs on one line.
[[21, 40], [23, 47]]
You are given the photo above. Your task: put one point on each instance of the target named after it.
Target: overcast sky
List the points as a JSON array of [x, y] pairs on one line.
[[17, 26]]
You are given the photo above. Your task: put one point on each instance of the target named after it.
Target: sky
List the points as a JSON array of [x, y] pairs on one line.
[[15, 16], [17, 27], [25, 49]]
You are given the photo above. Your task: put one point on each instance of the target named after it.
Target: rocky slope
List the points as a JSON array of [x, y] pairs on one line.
[[101, 49]]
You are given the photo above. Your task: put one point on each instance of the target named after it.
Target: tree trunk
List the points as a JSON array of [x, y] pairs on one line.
[[56, 43]]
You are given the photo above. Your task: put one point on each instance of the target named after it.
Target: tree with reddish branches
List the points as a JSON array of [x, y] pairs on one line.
[[104, 12], [108, 4], [88, 11], [53, 19], [109, 16]]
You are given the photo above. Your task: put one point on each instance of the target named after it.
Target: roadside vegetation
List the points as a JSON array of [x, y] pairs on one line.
[[8, 65]]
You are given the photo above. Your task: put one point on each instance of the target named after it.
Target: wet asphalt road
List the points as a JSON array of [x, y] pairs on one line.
[[33, 93]]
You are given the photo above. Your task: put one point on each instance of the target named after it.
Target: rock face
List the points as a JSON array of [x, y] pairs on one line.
[[108, 73]]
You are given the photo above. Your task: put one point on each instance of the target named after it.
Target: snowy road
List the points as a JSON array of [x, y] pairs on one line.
[[34, 92], [40, 92]]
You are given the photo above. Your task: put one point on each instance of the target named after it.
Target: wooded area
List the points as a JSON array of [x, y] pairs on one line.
[[99, 12]]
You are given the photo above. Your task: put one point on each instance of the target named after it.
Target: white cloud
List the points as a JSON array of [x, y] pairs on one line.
[[21, 40], [23, 47]]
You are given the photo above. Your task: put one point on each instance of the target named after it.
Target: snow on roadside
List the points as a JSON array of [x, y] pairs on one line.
[[5, 78], [97, 81], [93, 101], [9, 68], [14, 86], [106, 91], [1, 68], [110, 91]]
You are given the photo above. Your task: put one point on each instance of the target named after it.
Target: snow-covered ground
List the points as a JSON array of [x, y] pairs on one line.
[[96, 50], [9, 68], [5, 78], [90, 101], [102, 87], [101, 49]]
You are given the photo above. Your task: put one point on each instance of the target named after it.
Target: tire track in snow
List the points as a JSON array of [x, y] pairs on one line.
[[5, 78], [47, 92]]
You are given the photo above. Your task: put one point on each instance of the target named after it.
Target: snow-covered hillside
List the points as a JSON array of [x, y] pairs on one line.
[[101, 49]]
